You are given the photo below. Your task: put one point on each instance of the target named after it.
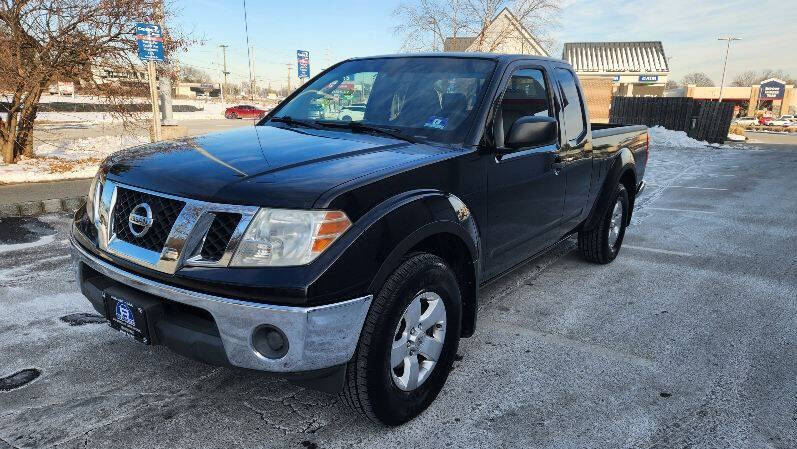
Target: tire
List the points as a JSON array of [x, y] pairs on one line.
[[595, 244], [347, 118], [234, 116], [373, 387]]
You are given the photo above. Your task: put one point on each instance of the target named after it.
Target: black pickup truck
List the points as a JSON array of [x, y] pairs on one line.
[[347, 255]]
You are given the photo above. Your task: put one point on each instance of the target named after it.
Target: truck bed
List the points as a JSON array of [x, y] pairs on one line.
[[609, 129]]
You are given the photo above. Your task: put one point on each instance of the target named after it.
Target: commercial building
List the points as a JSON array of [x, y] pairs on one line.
[[634, 68], [773, 95]]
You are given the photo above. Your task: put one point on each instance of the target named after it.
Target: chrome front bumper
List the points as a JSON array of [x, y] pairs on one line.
[[318, 337]]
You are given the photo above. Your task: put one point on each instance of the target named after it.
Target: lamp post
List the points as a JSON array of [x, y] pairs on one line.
[[724, 67]]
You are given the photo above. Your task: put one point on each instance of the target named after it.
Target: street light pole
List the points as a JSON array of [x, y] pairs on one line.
[[724, 67]]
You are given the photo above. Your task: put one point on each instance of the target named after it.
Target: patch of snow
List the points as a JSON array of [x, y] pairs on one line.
[[66, 159], [661, 136], [211, 110], [44, 240], [736, 137]]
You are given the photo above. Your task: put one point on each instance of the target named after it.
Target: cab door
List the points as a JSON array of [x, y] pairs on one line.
[[525, 189], [576, 151]]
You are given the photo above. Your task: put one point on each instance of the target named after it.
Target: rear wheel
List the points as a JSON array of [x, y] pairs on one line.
[[408, 342], [234, 116], [602, 243]]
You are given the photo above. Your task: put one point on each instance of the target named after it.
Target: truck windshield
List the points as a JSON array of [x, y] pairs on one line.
[[427, 98]]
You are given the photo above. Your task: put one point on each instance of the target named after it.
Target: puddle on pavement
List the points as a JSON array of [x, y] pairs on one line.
[[79, 319], [19, 379], [16, 230]]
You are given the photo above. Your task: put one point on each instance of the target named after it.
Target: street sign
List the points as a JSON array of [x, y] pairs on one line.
[[303, 64], [648, 78], [150, 42]]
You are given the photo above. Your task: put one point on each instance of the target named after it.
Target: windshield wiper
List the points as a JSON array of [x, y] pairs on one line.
[[288, 120], [363, 127]]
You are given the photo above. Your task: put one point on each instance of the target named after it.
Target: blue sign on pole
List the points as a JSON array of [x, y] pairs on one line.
[[150, 42], [303, 64]]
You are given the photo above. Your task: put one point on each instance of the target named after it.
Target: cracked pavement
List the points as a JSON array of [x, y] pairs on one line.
[[687, 339]]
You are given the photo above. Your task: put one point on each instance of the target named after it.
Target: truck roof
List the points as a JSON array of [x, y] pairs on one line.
[[500, 57]]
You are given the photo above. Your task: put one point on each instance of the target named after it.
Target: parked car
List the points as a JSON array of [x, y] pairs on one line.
[[354, 112], [744, 121], [784, 120], [348, 256], [764, 120], [244, 111]]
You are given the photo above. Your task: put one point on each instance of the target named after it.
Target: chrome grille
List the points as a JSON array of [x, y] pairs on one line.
[[183, 232], [164, 213], [218, 235]]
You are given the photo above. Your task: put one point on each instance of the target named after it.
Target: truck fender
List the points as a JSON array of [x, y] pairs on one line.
[[621, 167], [422, 220]]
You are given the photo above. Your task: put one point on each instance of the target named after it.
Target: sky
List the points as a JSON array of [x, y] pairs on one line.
[[332, 31]]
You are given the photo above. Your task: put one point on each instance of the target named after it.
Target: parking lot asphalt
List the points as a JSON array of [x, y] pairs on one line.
[[688, 339]]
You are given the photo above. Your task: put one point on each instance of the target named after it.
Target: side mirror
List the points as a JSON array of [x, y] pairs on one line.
[[529, 131]]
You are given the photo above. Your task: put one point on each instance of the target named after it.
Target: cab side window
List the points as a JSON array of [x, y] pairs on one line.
[[526, 95], [575, 126]]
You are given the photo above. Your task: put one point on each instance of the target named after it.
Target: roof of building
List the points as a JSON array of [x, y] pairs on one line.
[[616, 56], [458, 43], [467, 43]]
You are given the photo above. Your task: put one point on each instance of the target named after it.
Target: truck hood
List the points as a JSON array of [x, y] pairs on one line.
[[263, 165]]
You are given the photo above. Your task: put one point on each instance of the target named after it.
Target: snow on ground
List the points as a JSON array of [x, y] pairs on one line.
[[661, 136], [66, 159], [211, 110]]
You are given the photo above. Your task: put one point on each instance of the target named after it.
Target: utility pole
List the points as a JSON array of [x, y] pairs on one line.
[[252, 75], [727, 50], [290, 67], [225, 73], [167, 118]]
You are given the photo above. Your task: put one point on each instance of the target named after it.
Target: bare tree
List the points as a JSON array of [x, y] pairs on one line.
[[745, 79], [43, 40], [750, 77], [193, 75], [699, 79], [779, 74], [671, 84], [426, 24]]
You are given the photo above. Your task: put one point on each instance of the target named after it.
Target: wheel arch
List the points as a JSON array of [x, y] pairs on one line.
[[455, 239], [622, 169]]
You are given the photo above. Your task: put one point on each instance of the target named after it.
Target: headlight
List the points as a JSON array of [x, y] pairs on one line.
[[93, 200], [279, 237]]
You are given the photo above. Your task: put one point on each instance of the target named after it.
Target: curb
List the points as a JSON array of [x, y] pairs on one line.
[[33, 208]]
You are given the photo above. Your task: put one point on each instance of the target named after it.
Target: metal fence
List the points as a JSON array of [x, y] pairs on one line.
[[701, 119]]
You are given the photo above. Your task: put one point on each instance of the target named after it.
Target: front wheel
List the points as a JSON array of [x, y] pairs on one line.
[[602, 243], [408, 342]]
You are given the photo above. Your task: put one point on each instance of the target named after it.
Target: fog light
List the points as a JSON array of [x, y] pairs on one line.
[[270, 342]]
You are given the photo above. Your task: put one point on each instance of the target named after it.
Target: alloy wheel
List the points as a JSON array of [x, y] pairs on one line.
[[418, 341], [616, 223]]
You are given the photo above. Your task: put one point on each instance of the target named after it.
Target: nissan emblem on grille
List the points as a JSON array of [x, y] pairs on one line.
[[140, 219]]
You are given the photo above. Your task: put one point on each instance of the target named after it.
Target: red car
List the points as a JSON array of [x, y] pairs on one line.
[[764, 120], [243, 111]]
